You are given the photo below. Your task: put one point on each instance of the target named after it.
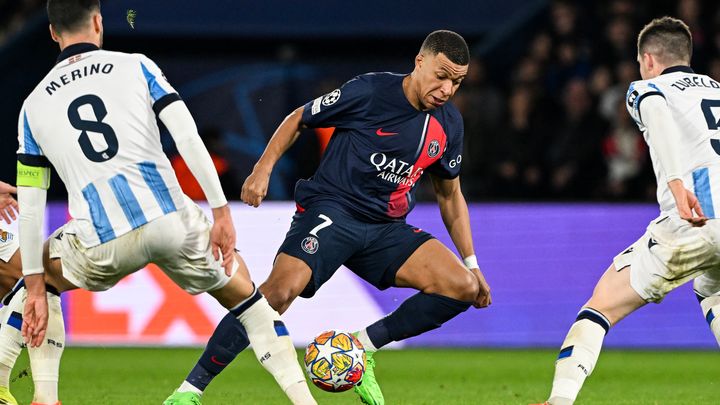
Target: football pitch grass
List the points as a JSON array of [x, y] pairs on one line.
[[430, 376]]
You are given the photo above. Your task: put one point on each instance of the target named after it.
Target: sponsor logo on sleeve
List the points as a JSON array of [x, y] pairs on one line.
[[455, 161], [316, 105]]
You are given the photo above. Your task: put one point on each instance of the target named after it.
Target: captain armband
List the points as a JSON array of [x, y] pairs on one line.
[[33, 176]]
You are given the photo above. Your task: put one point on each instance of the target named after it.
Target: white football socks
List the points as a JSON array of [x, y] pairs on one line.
[[11, 341], [45, 360], [364, 339], [275, 351], [577, 358], [711, 310]]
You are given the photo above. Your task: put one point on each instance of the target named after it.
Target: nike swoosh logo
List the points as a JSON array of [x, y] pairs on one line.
[[218, 362], [380, 132]]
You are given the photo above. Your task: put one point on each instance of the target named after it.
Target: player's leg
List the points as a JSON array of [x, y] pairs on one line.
[[669, 254], [408, 257], [287, 279], [45, 359], [11, 342], [291, 276], [446, 289], [707, 291], [612, 300]]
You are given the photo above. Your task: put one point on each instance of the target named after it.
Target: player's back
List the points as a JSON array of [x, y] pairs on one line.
[[694, 101], [93, 117]]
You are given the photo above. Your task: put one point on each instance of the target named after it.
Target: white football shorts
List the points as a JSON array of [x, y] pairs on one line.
[[671, 253], [178, 243], [8, 245]]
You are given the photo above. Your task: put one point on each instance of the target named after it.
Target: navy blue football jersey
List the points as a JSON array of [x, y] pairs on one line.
[[380, 148]]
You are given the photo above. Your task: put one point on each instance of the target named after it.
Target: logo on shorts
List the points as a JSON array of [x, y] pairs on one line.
[[310, 244], [5, 236], [331, 98], [433, 149]]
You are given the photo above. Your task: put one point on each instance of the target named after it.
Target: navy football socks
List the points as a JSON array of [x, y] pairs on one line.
[[226, 342], [418, 314]]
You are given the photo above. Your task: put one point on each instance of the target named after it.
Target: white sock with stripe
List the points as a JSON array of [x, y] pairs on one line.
[[711, 310], [273, 347], [578, 356]]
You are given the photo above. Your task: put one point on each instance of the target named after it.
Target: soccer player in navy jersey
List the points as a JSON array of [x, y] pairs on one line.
[[390, 129]]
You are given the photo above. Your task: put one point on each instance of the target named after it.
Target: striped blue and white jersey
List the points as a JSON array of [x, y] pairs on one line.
[[93, 118], [694, 101]]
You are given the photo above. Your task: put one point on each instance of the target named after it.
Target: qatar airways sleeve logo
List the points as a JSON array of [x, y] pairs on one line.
[[394, 170]]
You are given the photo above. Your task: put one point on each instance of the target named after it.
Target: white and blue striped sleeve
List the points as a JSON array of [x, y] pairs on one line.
[[29, 151], [161, 91], [636, 93]]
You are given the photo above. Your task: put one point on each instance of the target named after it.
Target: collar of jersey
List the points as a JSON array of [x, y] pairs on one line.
[[75, 49], [680, 68]]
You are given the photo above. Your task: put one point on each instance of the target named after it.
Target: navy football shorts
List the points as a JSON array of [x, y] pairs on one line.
[[325, 237]]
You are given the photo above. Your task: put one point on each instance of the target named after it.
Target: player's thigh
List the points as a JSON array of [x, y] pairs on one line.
[[289, 277], [179, 243], [434, 269], [613, 295], [387, 247], [97, 268], [402, 255], [708, 284], [238, 288], [320, 240]]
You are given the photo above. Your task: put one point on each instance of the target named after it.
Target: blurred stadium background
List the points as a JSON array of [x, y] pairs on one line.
[[557, 173]]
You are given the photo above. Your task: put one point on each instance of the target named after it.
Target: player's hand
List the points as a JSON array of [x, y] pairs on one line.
[[483, 298], [255, 187], [8, 205], [687, 204], [222, 237], [35, 314]]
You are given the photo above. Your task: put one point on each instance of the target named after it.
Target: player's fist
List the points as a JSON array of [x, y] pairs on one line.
[[255, 187], [483, 298], [687, 204]]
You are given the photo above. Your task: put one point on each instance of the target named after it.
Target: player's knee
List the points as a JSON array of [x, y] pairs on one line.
[[277, 296], [463, 287]]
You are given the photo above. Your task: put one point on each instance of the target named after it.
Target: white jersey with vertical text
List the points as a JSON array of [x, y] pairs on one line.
[[93, 117], [694, 101]]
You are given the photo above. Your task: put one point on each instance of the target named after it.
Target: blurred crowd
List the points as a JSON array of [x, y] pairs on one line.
[[557, 127], [14, 14], [546, 121]]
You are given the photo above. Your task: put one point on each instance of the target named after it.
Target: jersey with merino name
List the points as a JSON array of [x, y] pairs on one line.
[[93, 118]]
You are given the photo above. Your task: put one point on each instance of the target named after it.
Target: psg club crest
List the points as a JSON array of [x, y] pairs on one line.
[[310, 244], [331, 98], [433, 149]]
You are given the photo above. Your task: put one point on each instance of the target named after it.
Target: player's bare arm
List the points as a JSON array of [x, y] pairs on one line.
[[255, 187], [8, 205], [454, 212]]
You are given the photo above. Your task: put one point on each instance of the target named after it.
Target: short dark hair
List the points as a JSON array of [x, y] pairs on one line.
[[450, 44], [70, 15], [668, 38]]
